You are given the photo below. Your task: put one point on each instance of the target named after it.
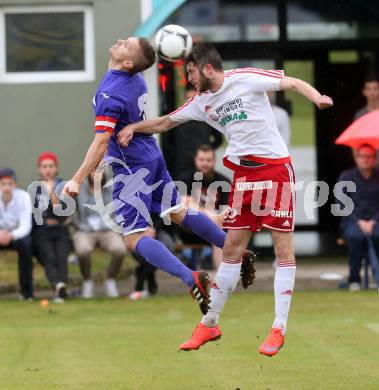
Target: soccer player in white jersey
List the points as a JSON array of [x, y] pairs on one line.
[[235, 103]]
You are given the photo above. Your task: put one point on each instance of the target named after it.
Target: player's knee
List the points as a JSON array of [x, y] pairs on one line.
[[130, 244], [178, 216], [233, 249], [131, 240]]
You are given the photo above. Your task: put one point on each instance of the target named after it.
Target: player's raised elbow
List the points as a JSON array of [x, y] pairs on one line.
[[289, 83]]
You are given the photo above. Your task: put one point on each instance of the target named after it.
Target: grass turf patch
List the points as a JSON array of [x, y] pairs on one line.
[[332, 344]]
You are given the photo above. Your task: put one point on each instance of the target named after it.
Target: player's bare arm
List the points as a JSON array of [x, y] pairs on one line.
[[92, 159], [305, 89], [149, 126]]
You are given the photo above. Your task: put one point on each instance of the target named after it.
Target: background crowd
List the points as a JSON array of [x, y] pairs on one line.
[[192, 157]]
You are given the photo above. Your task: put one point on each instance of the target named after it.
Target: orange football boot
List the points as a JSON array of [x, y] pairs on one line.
[[274, 341], [201, 335]]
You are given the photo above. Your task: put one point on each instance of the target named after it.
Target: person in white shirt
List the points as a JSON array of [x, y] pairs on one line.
[[235, 103], [282, 119], [15, 228]]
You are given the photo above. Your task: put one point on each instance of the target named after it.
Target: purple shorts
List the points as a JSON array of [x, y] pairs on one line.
[[142, 189]]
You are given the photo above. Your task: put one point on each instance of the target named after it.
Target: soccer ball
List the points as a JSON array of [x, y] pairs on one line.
[[173, 42]]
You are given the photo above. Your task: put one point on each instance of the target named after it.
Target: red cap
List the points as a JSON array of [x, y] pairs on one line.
[[47, 156]]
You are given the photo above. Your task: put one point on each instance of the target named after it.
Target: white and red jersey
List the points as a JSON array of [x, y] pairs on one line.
[[241, 110]]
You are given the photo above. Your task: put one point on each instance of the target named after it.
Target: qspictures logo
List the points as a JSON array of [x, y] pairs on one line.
[[130, 188]]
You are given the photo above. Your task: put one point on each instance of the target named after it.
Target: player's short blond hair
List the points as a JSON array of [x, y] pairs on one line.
[[148, 56]]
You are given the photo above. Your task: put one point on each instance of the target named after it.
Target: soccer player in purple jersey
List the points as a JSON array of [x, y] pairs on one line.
[[142, 184]]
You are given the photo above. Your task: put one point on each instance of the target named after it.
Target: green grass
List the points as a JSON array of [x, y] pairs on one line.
[[332, 344]]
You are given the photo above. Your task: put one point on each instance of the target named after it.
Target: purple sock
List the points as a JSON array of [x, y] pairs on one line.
[[159, 256], [205, 228]]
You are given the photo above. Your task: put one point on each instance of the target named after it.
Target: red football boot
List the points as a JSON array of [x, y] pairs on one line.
[[201, 335], [274, 341]]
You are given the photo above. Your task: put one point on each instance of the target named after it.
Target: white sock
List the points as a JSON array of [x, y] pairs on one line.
[[222, 287], [283, 287]]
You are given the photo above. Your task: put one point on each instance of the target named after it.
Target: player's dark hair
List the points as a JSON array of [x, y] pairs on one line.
[[204, 148], [203, 54], [148, 55]]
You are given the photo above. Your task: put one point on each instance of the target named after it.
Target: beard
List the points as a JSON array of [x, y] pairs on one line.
[[204, 83]]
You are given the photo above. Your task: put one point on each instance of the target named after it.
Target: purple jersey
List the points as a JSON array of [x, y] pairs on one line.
[[120, 100]]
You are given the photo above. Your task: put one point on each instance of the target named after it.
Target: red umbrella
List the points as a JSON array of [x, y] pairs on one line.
[[364, 130]]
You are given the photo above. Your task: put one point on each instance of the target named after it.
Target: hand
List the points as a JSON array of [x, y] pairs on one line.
[[366, 226], [126, 135], [71, 188], [50, 185], [324, 102], [362, 225], [50, 189], [229, 213], [370, 227], [5, 238]]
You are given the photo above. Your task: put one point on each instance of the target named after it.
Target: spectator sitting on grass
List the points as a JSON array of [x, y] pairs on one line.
[[93, 232], [51, 239], [363, 222], [15, 228]]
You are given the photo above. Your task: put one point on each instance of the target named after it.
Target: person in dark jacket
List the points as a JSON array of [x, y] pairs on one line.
[[207, 191], [363, 223], [51, 239]]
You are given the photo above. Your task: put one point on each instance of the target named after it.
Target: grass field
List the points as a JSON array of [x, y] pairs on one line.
[[332, 343]]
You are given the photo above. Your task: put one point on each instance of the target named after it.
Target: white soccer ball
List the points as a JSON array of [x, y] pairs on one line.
[[173, 42]]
